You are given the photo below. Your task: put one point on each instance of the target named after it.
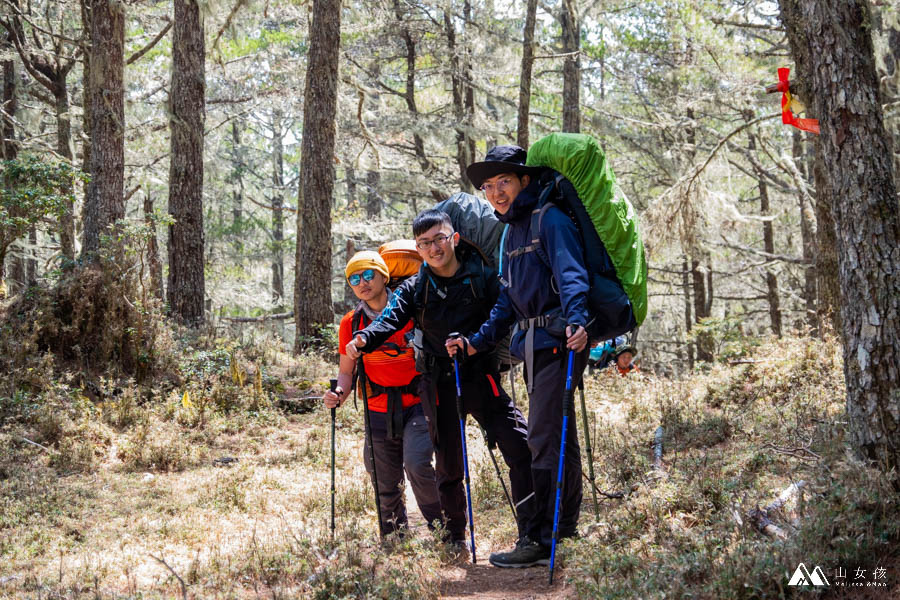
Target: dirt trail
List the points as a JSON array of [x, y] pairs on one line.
[[487, 582]]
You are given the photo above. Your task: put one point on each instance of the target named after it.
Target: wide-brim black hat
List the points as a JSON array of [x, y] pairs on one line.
[[500, 159]]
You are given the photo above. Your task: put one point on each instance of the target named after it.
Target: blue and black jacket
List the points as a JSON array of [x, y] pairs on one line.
[[550, 281]]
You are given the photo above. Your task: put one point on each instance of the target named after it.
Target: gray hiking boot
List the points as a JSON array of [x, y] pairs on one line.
[[525, 554]]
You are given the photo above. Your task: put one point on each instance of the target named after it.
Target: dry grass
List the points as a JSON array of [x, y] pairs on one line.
[[133, 474]]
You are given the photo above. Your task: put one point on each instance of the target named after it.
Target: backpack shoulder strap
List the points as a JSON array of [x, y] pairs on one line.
[[356, 321]]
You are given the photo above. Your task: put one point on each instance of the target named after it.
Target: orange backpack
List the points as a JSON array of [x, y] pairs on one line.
[[402, 260]]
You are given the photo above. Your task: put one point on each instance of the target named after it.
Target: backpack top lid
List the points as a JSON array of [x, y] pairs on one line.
[[580, 159], [402, 259], [476, 223]]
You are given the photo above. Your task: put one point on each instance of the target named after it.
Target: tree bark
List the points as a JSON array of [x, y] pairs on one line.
[[153, 260], [350, 173], [701, 309], [828, 298], [277, 208], [9, 148], [525, 76], [856, 149], [186, 282], [86, 121], [571, 43], [826, 269], [807, 231], [105, 202], [469, 87], [688, 319], [31, 266], [312, 283]]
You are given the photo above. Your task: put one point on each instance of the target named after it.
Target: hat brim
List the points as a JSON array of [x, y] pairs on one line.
[[479, 171]]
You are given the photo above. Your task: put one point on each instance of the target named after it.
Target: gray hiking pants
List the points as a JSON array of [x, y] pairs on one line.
[[413, 451]]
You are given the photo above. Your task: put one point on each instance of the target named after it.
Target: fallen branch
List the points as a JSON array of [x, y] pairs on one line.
[[177, 576], [612, 495], [42, 447], [759, 517], [800, 452], [658, 449], [261, 318]]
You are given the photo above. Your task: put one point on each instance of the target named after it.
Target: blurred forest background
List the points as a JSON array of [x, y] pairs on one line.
[[674, 91]]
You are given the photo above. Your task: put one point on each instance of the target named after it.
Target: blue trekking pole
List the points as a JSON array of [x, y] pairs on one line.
[[462, 435], [567, 399]]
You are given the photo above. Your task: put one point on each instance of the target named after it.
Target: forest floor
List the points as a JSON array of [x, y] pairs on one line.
[[225, 493]]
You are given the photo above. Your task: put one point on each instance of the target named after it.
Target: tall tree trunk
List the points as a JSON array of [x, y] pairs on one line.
[[701, 309], [828, 291], [768, 239], [410, 92], [154, 263], [9, 148], [86, 125], [237, 192], [8, 145], [186, 282], [312, 283], [469, 87], [525, 76], [458, 92], [858, 154], [350, 299], [688, 319], [105, 202], [826, 265], [350, 173], [31, 266], [571, 43], [277, 208], [807, 230], [373, 194]]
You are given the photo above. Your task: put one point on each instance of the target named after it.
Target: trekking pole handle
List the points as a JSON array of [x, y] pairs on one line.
[[455, 336]]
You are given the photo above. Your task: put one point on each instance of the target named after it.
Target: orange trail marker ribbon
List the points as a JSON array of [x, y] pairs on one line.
[[789, 103]]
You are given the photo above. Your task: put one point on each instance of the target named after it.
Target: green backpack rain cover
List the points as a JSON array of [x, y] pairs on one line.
[[580, 159]]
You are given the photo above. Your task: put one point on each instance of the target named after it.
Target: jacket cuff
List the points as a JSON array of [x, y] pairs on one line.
[[478, 342]]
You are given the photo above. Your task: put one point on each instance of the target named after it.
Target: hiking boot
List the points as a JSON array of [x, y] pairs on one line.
[[525, 554]]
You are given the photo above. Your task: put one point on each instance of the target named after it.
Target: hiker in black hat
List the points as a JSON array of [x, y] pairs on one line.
[[545, 292]]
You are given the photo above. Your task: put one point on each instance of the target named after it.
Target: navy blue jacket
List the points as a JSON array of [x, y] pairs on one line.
[[534, 288]]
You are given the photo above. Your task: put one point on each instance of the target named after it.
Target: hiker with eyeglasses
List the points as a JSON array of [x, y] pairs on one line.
[[454, 292], [400, 438], [544, 293]]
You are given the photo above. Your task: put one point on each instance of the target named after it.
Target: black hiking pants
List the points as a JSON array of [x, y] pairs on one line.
[[493, 409], [545, 417], [410, 451]]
